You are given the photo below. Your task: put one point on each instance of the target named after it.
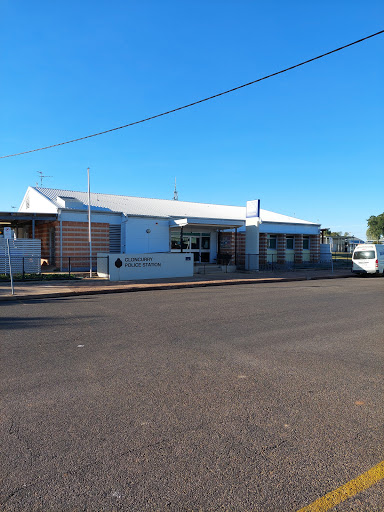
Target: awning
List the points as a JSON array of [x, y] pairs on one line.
[[214, 223], [21, 218]]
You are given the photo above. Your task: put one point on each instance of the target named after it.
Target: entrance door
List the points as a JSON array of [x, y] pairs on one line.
[[197, 243]]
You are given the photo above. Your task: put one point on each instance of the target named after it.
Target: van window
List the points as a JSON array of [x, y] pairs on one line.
[[364, 255]]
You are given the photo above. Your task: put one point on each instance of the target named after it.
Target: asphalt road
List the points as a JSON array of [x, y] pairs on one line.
[[239, 398]]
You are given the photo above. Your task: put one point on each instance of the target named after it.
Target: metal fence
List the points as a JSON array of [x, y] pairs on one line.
[[20, 264], [20, 255], [30, 264], [80, 263], [271, 263], [265, 263]]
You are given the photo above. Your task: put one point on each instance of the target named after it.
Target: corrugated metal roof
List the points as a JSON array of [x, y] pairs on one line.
[[166, 208]]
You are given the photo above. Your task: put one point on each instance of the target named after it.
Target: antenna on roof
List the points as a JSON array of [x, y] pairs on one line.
[[175, 193], [42, 176]]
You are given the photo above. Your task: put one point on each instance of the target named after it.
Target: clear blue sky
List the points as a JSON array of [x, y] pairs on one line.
[[308, 143]]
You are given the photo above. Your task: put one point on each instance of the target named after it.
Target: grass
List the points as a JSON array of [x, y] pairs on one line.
[[38, 277]]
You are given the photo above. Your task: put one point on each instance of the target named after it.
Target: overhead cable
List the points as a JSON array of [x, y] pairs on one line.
[[196, 102]]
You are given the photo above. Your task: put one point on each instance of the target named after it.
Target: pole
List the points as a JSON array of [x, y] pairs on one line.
[[61, 245], [89, 226], [10, 268], [235, 246]]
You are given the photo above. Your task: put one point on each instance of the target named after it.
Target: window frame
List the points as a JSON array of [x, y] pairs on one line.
[[290, 239], [272, 238]]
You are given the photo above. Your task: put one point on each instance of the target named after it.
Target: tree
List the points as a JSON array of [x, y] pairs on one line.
[[333, 233], [375, 229]]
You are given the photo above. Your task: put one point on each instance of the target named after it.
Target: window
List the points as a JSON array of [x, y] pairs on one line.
[[272, 242], [306, 243], [191, 241], [195, 242], [364, 255], [290, 242], [175, 242], [205, 242]]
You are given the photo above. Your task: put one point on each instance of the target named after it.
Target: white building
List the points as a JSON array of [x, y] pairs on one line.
[[125, 224]]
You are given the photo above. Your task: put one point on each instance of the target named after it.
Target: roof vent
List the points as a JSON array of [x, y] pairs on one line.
[[69, 202]]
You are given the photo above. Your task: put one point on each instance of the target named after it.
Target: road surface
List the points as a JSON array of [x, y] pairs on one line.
[[239, 398]]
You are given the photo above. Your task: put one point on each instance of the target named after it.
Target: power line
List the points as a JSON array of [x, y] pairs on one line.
[[196, 102]]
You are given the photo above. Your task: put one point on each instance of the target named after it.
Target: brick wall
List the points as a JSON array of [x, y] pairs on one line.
[[228, 245], [42, 232], [75, 242], [263, 248], [298, 248], [314, 246], [281, 244]]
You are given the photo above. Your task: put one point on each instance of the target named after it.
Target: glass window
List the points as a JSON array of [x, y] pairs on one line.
[[306, 243], [195, 242], [272, 242], [205, 242], [290, 242], [364, 255], [175, 242]]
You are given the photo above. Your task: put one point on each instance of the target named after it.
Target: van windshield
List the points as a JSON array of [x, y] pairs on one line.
[[364, 255]]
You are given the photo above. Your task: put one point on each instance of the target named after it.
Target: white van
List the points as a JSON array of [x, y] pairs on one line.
[[368, 259]]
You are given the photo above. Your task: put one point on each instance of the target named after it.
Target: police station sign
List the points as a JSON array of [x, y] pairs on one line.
[[128, 267]]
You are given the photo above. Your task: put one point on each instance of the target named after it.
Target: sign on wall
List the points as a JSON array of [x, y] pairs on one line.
[[128, 267], [8, 233], [253, 209]]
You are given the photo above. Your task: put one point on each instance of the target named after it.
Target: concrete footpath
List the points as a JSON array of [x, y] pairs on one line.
[[92, 286]]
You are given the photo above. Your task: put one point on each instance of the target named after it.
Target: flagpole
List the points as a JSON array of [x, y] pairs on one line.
[[89, 226]]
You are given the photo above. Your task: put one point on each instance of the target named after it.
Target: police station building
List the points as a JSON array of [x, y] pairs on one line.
[[122, 224]]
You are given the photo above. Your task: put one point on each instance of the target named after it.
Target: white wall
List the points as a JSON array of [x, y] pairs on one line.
[[213, 251], [35, 202], [289, 229], [252, 233], [107, 218], [137, 240]]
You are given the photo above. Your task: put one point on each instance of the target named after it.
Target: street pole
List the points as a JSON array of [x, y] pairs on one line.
[[89, 226], [10, 267]]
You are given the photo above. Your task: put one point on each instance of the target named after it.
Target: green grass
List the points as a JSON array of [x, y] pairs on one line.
[[39, 277]]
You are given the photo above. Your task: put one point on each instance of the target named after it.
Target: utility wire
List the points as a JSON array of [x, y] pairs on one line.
[[199, 101]]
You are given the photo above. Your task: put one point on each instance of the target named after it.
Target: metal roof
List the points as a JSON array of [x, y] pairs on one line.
[[165, 208]]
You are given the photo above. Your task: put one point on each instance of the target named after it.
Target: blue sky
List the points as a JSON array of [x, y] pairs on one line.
[[308, 143]]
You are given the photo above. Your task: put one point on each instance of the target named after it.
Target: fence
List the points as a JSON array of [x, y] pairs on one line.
[[270, 262], [27, 264], [25, 256], [20, 264]]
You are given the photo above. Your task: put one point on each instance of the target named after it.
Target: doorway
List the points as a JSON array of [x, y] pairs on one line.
[[199, 244]]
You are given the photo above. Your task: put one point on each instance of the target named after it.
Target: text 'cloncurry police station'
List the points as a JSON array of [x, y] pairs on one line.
[[141, 261]]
